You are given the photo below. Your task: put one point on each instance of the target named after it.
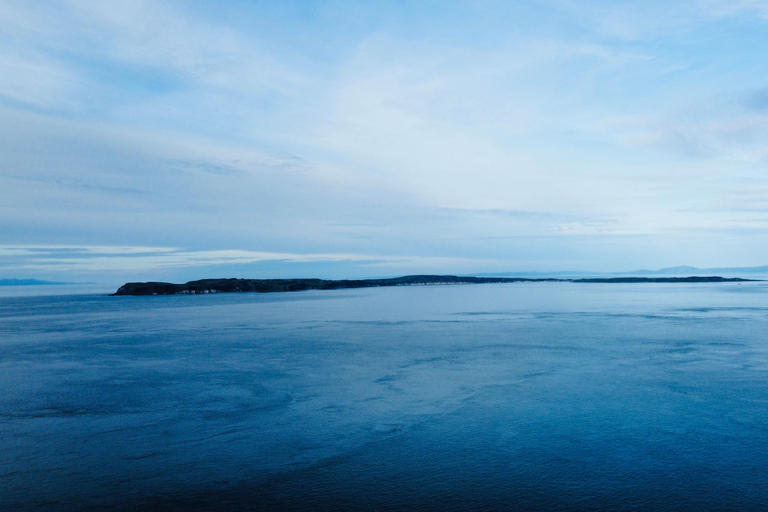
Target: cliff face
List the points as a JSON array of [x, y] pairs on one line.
[[294, 285]]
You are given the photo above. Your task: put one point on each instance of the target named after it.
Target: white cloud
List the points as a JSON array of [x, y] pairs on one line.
[[727, 127], [82, 259], [77, 52], [37, 80], [733, 7]]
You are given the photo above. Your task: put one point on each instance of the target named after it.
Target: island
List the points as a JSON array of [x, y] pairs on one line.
[[203, 286]]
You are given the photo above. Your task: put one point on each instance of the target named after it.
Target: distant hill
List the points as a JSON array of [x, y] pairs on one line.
[[686, 270], [683, 270], [27, 282]]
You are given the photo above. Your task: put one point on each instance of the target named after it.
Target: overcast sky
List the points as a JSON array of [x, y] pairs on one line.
[[188, 139]]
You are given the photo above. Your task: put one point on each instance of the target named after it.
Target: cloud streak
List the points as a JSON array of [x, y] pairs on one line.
[[101, 259]]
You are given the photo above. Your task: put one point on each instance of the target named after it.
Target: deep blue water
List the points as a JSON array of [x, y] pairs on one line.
[[538, 396]]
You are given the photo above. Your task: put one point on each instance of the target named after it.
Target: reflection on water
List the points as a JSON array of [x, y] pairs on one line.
[[537, 396]]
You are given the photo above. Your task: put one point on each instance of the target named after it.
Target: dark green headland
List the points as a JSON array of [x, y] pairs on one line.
[[295, 285]]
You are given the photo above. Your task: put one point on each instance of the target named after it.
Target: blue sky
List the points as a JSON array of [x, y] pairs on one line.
[[178, 140]]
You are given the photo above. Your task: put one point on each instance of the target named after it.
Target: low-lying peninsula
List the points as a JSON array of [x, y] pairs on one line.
[[295, 285]]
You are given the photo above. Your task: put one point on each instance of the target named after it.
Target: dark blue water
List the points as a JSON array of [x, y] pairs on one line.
[[540, 396]]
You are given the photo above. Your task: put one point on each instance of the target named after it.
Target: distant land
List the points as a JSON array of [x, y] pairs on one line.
[[27, 282], [682, 270], [294, 285], [693, 270]]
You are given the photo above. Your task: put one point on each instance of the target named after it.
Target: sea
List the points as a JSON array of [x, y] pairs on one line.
[[493, 397]]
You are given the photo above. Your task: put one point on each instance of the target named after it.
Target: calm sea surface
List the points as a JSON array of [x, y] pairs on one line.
[[538, 396]]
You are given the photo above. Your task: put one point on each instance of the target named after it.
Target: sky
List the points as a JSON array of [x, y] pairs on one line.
[[177, 140]]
